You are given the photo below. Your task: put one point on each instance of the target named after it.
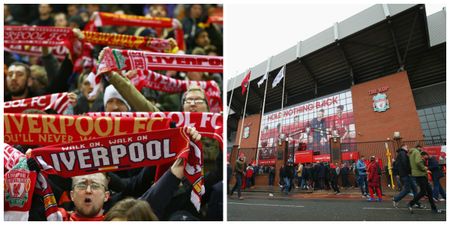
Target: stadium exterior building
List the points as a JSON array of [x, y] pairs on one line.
[[363, 86]]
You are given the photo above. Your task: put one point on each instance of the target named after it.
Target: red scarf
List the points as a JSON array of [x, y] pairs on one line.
[[124, 152], [126, 41], [73, 216], [115, 59], [42, 36], [33, 129], [159, 82], [100, 19], [11, 156], [59, 51], [57, 102], [121, 152], [207, 124], [18, 192]]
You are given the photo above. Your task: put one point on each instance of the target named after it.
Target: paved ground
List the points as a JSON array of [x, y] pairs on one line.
[[323, 206]]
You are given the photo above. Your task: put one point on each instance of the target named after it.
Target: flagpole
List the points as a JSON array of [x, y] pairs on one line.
[[282, 104], [284, 81], [231, 97], [243, 115], [263, 107]]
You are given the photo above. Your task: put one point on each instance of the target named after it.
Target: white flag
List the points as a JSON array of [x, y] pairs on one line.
[[260, 82], [279, 76]]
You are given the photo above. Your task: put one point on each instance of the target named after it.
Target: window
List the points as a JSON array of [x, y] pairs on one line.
[[433, 122]]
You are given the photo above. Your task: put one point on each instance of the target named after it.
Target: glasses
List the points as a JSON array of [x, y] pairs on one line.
[[84, 186], [194, 101]]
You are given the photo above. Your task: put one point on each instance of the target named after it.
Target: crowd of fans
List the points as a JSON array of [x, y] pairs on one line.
[[412, 170], [29, 76]]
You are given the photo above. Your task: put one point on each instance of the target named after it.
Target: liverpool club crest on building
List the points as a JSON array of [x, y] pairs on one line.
[[380, 102]]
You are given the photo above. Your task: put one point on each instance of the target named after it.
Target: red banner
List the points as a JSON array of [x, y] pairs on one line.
[[303, 157], [41, 36], [322, 158], [57, 102], [167, 84], [207, 124], [433, 151], [266, 162], [126, 41], [106, 19], [38, 129], [115, 59]]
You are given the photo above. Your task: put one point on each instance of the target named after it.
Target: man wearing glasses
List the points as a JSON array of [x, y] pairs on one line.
[[194, 100]]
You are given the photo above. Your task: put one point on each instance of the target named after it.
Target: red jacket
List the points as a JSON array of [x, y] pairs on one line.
[[373, 176], [249, 173]]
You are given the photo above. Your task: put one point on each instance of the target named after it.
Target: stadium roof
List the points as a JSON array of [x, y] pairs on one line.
[[376, 42]]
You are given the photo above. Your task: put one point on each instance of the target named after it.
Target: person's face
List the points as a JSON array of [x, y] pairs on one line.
[[44, 9], [86, 88], [158, 11], [202, 39], [84, 16], [195, 102], [195, 76], [16, 79], [60, 20], [33, 82], [72, 10], [339, 111], [116, 105], [320, 114], [92, 8], [89, 193], [196, 11]]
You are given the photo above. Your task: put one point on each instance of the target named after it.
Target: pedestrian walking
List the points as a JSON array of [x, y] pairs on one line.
[[419, 172]]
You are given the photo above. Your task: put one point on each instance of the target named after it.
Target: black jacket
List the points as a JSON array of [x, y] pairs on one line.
[[283, 173], [435, 169], [403, 166]]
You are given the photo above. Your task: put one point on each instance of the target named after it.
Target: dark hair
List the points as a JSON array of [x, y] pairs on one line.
[[418, 146], [131, 210], [341, 107], [423, 153], [321, 110], [27, 67]]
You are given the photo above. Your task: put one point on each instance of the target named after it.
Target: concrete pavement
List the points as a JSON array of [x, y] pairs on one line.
[[323, 206]]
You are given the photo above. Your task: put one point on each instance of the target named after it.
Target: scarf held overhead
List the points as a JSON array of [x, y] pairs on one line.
[[116, 59], [34, 129], [41, 36], [59, 52], [121, 152], [167, 84], [126, 41], [100, 19], [125, 152], [207, 124], [57, 102]]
